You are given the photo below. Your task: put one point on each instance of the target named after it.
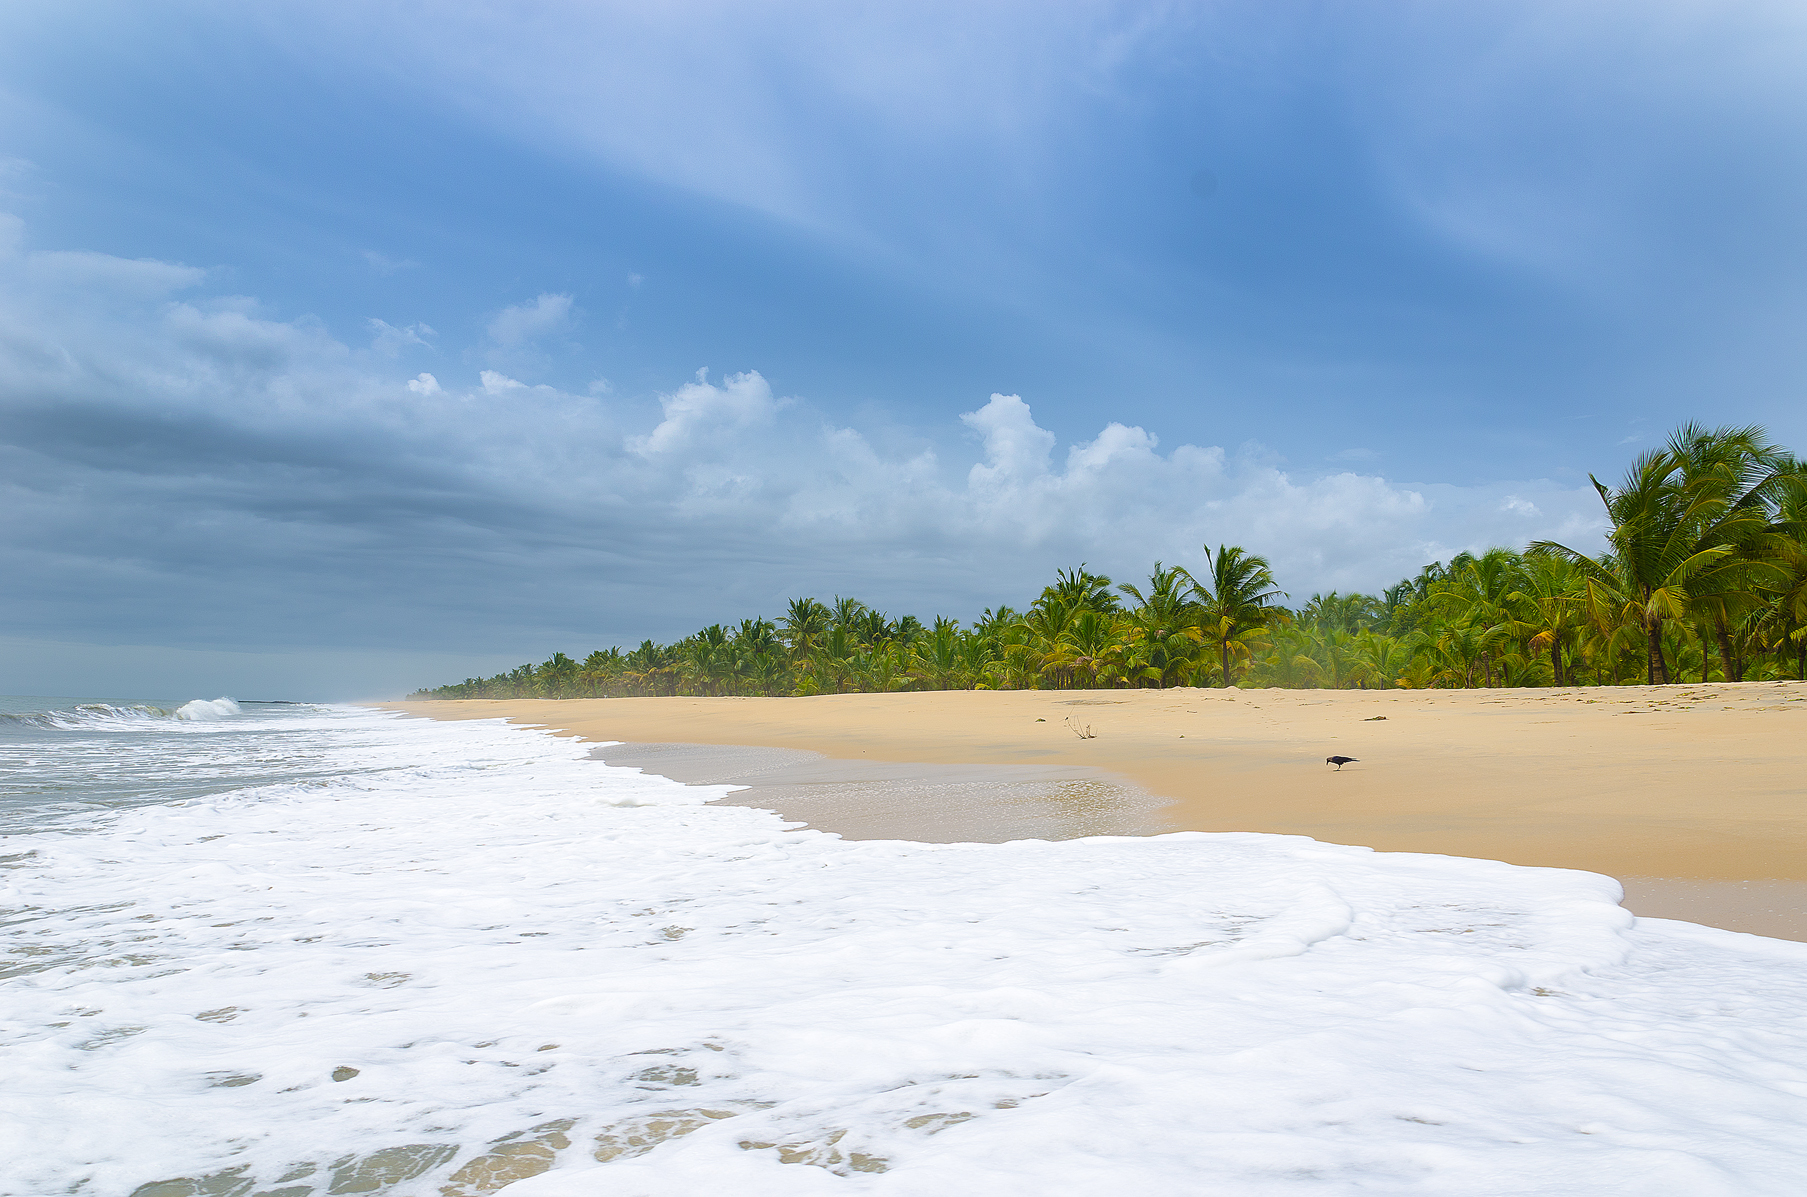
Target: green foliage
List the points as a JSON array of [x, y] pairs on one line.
[[1705, 575]]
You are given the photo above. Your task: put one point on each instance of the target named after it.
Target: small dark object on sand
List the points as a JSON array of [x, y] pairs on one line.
[[1340, 761]]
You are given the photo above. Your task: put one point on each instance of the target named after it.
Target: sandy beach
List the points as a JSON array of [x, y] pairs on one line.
[[1691, 795]]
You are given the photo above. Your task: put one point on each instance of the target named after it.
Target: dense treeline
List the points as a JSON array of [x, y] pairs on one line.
[[1704, 577]]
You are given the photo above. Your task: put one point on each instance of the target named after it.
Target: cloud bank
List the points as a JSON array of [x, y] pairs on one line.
[[189, 470]]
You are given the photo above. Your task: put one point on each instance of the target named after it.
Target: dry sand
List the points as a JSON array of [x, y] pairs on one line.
[[1693, 795]]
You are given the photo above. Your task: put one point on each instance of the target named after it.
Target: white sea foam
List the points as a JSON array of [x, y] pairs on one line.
[[205, 709], [474, 955]]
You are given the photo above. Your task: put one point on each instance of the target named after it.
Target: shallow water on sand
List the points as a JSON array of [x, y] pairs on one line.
[[1777, 908], [886, 800]]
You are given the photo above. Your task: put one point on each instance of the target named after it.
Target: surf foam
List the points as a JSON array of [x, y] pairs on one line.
[[479, 960], [206, 710]]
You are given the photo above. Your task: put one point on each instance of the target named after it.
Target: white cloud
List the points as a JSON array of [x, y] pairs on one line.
[[155, 451], [530, 321], [390, 340], [495, 383], [701, 411], [106, 277], [1016, 451]]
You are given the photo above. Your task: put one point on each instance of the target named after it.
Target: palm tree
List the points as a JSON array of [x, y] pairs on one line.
[[1288, 661], [1689, 526], [978, 663], [1163, 627], [601, 669], [1082, 591], [1549, 604], [1478, 590], [834, 659], [1655, 554], [558, 674], [805, 622], [1748, 476], [1342, 612], [1238, 599], [1046, 622], [1781, 623], [1384, 659], [1083, 650], [650, 666], [879, 669], [1468, 643], [935, 655], [846, 613]]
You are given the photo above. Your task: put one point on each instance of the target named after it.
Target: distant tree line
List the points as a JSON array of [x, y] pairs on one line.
[[1704, 577]]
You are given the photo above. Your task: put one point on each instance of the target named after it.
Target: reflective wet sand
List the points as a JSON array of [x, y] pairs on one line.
[[1773, 908], [884, 800]]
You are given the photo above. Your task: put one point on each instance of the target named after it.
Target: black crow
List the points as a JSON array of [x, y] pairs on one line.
[[1340, 761]]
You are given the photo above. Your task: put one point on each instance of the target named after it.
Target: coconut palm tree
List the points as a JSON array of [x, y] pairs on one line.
[[602, 671], [1082, 591], [1656, 534], [1163, 627], [1086, 651], [804, 624], [1780, 625], [1749, 476], [935, 655], [1477, 591], [1236, 599], [558, 675], [1549, 604]]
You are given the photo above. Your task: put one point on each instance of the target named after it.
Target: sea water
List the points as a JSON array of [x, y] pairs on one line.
[[306, 951]]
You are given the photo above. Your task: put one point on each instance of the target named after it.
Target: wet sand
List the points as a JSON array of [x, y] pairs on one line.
[[1694, 796]]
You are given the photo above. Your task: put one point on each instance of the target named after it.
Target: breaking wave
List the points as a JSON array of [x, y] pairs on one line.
[[106, 714], [207, 709]]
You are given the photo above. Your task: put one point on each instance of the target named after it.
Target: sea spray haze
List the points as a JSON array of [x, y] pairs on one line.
[[435, 957]]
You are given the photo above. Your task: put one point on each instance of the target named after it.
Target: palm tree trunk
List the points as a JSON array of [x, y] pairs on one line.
[[1726, 663], [1556, 660], [1656, 669], [1225, 645]]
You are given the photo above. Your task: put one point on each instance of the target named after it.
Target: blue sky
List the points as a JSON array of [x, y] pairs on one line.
[[977, 290]]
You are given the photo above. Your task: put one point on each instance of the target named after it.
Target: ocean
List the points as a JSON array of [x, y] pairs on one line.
[[295, 950]]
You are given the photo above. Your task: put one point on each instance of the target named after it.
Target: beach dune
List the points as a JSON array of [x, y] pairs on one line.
[[1694, 796]]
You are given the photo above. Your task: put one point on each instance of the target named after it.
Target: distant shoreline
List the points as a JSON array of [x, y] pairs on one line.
[[1679, 784]]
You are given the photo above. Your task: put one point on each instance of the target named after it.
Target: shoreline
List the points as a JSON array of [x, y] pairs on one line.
[[908, 800], [1689, 794]]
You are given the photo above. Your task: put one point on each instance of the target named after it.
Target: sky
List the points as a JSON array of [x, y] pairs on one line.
[[348, 348]]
